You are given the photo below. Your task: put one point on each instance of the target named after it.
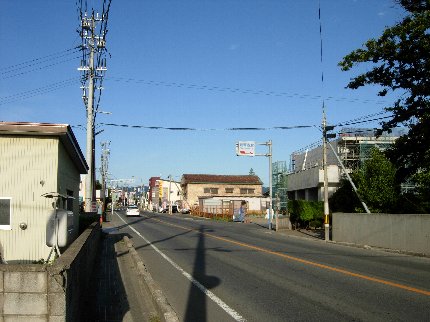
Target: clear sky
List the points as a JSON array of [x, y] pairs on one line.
[[199, 64]]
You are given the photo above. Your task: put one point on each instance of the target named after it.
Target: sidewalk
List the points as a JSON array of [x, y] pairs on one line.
[[114, 293], [305, 233]]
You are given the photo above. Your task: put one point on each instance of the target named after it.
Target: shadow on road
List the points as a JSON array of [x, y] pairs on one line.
[[196, 303]]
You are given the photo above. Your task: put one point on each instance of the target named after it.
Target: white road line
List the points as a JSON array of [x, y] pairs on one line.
[[211, 295]]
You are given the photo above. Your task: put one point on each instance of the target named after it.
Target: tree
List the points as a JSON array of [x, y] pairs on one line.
[[376, 183], [251, 172], [401, 64], [345, 199]]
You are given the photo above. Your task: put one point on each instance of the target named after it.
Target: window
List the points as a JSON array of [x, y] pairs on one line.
[[5, 212], [246, 191], [229, 190], [213, 191]]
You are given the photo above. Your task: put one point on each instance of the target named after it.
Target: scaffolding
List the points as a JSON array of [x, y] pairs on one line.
[[355, 147], [279, 182]]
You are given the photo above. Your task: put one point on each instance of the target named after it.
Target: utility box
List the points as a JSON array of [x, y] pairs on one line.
[[60, 227]]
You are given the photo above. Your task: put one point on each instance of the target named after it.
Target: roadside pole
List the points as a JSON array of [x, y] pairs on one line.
[[170, 191], [270, 187], [112, 202], [247, 148]]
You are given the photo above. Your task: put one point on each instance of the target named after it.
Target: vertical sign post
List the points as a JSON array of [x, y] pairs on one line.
[[247, 148]]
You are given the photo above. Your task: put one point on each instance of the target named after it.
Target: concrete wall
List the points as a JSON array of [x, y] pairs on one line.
[[408, 233], [50, 293]]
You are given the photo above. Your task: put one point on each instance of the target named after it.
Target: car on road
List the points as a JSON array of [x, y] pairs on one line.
[[185, 210], [132, 210], [174, 209]]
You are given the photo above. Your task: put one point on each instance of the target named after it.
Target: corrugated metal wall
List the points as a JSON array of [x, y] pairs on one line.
[[28, 169], [69, 179]]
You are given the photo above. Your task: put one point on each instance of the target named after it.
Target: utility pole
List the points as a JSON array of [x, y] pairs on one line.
[[92, 68], [270, 186], [325, 129], [170, 191], [104, 169]]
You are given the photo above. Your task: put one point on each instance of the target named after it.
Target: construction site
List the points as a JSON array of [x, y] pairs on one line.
[[303, 178]]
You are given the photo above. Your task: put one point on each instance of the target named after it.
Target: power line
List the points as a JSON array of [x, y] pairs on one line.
[[207, 129], [37, 59], [212, 88], [39, 68], [365, 121], [38, 91], [11, 70], [363, 118]]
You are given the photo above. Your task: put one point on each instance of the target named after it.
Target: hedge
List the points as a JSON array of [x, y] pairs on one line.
[[306, 212]]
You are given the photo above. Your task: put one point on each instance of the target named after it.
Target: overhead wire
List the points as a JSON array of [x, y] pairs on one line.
[[38, 91], [207, 129], [31, 62], [207, 87], [39, 68]]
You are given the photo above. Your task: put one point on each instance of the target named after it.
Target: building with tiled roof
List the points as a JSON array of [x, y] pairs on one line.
[[202, 186]]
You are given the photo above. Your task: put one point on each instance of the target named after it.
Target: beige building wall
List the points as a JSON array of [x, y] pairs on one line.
[[29, 167], [194, 191], [69, 180]]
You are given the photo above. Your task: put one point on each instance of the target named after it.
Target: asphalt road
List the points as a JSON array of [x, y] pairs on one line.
[[220, 271]]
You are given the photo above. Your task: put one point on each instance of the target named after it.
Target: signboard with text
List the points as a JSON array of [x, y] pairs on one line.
[[245, 148]]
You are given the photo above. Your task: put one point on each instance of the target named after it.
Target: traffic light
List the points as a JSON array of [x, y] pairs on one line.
[[329, 135]]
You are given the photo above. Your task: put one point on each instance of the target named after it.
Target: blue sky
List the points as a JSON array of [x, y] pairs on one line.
[[241, 63]]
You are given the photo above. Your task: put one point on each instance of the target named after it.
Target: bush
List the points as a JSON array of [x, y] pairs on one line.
[[306, 213]]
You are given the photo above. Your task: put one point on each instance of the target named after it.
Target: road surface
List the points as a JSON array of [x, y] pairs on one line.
[[223, 271]]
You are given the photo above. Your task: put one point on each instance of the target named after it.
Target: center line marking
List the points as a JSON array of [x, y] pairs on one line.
[[235, 315], [304, 261]]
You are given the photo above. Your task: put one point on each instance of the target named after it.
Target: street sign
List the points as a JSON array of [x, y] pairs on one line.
[[245, 148]]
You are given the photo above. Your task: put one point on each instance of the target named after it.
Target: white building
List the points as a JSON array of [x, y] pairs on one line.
[[36, 159]]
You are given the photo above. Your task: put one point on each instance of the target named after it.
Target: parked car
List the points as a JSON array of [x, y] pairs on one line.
[[185, 210], [174, 209], [132, 211]]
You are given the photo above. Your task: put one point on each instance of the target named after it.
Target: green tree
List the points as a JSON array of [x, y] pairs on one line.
[[345, 199], [251, 172], [400, 61], [376, 183]]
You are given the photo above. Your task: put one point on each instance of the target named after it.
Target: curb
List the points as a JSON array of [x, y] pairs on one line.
[[163, 307]]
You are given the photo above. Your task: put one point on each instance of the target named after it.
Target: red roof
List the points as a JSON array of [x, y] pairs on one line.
[[227, 179]]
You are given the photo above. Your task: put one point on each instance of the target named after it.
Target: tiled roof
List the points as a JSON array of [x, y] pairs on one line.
[[213, 178]]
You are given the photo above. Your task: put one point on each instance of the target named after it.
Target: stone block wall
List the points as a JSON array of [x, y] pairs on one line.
[[32, 292]]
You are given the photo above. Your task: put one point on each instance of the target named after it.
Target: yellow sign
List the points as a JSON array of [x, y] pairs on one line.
[[160, 189]]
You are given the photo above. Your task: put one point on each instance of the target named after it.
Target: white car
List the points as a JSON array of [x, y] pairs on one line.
[[132, 211]]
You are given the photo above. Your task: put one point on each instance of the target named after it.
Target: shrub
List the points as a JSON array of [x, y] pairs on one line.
[[304, 212]]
